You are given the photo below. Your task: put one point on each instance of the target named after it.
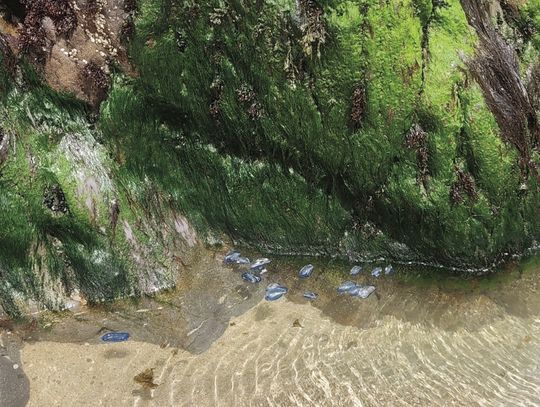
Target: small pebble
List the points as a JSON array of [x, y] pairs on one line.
[[377, 271]]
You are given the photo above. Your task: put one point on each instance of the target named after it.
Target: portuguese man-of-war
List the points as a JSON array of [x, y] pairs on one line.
[[356, 270], [259, 264], [231, 257], [306, 271], [310, 295], [251, 278], [346, 286], [273, 295], [365, 292], [115, 337], [276, 287]]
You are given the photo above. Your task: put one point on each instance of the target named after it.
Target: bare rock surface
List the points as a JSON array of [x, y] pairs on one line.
[[94, 42], [14, 385]]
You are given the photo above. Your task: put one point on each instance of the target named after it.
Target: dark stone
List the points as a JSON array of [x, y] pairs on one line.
[[32, 38], [14, 384], [55, 200], [181, 41], [14, 10], [9, 60], [96, 77]]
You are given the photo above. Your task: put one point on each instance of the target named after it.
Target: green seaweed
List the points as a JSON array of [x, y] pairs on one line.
[[284, 130], [303, 133]]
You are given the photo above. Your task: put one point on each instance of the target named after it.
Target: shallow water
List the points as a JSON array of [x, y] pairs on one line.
[[214, 341]]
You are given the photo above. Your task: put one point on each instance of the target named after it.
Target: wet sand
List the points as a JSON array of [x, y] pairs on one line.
[[215, 342], [14, 385]]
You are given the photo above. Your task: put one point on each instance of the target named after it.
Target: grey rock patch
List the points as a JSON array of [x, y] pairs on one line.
[[14, 385]]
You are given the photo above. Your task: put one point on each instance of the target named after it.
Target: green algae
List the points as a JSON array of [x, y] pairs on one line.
[[304, 128], [240, 120], [40, 248], [498, 279], [253, 201]]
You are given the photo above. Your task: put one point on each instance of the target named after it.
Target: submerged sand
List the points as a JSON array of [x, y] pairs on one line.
[[408, 346], [264, 360]]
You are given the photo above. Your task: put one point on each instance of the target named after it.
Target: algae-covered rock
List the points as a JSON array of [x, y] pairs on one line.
[[353, 128], [379, 114]]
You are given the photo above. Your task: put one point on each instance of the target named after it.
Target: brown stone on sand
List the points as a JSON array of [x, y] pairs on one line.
[[146, 379]]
